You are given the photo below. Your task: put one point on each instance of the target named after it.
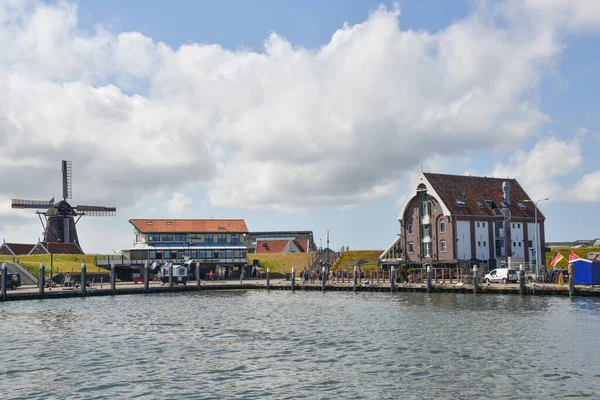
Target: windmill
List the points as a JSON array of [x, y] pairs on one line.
[[61, 218]]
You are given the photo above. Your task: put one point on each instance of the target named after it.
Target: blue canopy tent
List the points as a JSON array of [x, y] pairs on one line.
[[586, 272]]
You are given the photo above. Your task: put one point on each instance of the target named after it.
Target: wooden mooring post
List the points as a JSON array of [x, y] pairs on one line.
[[83, 279], [113, 279], [293, 278], [355, 277], [171, 277], [268, 277], [199, 280], [428, 278], [146, 277], [571, 280], [41, 280], [4, 277], [521, 280], [475, 279]]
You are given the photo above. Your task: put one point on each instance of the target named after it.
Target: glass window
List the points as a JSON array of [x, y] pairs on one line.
[[167, 237], [434, 208], [519, 225], [154, 237], [483, 224], [235, 238], [416, 210], [194, 254], [484, 244], [410, 229], [519, 244], [443, 246], [180, 254], [222, 238], [478, 243], [522, 206], [478, 224], [180, 237], [461, 203], [152, 255], [426, 230], [479, 203], [442, 227], [208, 238], [167, 254], [411, 248]]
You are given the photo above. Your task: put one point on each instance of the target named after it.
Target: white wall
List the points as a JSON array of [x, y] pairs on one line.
[[482, 240], [463, 244], [531, 230], [516, 237]]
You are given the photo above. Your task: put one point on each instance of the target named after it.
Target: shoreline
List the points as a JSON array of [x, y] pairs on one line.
[[31, 292]]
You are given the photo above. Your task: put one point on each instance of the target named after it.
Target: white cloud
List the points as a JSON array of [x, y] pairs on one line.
[[178, 203], [287, 128], [551, 169]]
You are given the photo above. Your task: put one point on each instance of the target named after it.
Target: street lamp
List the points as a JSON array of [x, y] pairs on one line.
[[537, 246]]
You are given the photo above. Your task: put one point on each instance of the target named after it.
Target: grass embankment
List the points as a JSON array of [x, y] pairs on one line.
[[280, 263], [565, 251], [356, 255], [60, 263]]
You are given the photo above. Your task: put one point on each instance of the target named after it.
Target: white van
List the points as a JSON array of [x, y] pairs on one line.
[[503, 275]]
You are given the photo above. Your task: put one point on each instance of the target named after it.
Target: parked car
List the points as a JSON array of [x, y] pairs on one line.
[[13, 281], [504, 275]]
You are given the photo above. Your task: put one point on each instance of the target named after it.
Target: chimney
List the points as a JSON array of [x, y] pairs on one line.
[[506, 191]]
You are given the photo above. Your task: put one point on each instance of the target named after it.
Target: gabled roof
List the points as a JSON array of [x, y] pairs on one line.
[[190, 225], [276, 246], [469, 189], [19, 248]]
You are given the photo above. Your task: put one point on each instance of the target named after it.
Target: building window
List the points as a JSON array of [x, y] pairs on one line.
[[434, 208], [519, 225], [426, 249], [513, 225], [167, 254], [235, 238], [154, 237], [426, 230], [410, 229], [443, 246], [180, 237], [529, 243], [411, 247], [483, 224], [416, 210], [152, 255], [208, 238], [522, 206], [442, 227], [222, 238], [504, 204], [484, 244], [519, 243], [479, 203], [461, 203], [180, 254], [478, 243], [478, 224], [514, 244], [167, 237]]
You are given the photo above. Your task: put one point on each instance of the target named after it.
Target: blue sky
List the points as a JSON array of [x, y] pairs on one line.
[[306, 115]]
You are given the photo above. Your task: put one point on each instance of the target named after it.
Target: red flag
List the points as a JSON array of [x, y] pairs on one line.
[[596, 257], [557, 257], [573, 256]]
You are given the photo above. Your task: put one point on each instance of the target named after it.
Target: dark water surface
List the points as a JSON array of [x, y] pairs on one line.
[[330, 345]]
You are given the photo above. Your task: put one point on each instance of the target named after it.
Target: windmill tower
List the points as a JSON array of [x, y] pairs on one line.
[[60, 219]]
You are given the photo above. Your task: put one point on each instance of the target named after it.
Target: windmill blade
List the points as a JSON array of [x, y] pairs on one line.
[[97, 211], [67, 179], [40, 204]]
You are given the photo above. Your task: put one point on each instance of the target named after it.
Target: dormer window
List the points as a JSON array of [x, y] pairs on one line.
[[148, 222], [221, 228], [504, 204], [522, 206], [491, 204], [479, 203], [169, 223], [461, 203]]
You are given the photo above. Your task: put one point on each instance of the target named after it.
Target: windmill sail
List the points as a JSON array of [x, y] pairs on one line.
[[67, 177], [43, 204], [97, 211]]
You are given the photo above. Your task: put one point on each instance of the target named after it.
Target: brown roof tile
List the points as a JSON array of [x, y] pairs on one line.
[[472, 188], [20, 248], [62, 248], [190, 225]]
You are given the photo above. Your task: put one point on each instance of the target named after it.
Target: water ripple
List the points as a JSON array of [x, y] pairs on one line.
[[260, 345]]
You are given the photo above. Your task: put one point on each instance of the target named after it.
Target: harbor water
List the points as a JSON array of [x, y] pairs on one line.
[[281, 344]]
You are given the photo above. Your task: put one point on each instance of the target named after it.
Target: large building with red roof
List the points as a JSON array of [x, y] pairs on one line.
[[451, 220], [217, 244]]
